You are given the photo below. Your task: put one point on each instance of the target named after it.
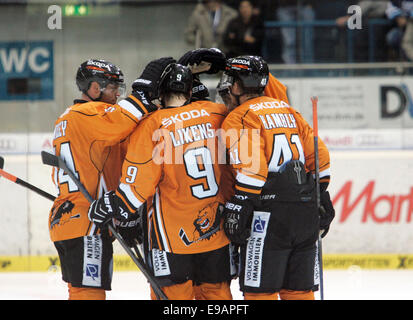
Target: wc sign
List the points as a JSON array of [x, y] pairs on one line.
[[26, 70]]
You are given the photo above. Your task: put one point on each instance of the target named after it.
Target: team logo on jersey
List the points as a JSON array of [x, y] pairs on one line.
[[63, 214], [206, 224]]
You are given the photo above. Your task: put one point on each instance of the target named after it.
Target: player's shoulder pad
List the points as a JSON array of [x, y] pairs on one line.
[[93, 108], [215, 108]]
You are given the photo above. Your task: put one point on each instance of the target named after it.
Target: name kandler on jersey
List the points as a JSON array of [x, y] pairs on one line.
[[278, 120]]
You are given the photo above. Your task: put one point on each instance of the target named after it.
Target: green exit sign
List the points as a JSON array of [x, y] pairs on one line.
[[72, 10]]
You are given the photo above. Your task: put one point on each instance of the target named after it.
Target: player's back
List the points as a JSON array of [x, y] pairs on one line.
[[183, 164], [89, 147], [281, 135]]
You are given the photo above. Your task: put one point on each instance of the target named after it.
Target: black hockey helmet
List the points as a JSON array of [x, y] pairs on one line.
[[100, 71], [251, 71], [176, 78]]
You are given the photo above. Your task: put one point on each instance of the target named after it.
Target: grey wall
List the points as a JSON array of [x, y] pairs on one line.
[[128, 36]]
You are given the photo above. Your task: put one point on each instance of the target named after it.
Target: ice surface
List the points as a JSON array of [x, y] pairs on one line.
[[351, 284]]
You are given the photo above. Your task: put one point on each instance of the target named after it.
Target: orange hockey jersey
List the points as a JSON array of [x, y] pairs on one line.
[[275, 89], [262, 134], [89, 137], [174, 156]]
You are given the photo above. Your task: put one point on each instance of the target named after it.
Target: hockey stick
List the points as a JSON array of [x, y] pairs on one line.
[[52, 198], [23, 183], [314, 100], [52, 160]]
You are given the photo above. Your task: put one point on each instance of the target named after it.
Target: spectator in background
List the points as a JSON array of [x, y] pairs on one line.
[[370, 9], [263, 8], [291, 11], [400, 37], [245, 33], [207, 24]]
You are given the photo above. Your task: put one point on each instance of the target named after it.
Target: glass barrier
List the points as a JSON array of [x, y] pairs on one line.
[[364, 94]]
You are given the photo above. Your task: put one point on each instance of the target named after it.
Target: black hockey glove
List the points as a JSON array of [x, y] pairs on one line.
[[148, 82], [327, 213], [199, 90], [212, 55], [109, 206], [237, 219], [131, 231]]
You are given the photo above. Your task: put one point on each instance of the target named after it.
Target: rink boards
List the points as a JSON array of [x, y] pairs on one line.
[[121, 262], [372, 191]]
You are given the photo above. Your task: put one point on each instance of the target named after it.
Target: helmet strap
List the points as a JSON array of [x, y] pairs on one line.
[[236, 96], [100, 95], [93, 99]]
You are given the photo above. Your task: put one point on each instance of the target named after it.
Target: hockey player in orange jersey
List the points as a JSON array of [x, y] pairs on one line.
[[89, 136], [211, 61], [272, 214], [174, 157]]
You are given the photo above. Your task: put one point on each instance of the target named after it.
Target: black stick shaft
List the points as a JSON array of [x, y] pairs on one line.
[[35, 189]]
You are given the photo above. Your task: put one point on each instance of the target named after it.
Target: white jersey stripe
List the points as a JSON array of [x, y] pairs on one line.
[[126, 189], [244, 179], [130, 108], [159, 220], [325, 173]]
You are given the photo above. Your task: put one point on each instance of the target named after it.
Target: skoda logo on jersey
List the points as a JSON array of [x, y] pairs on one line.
[[259, 225], [92, 270]]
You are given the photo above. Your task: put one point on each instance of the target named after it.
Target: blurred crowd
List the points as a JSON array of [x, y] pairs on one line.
[[241, 27]]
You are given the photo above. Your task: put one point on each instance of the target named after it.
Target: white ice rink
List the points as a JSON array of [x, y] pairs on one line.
[[351, 284]]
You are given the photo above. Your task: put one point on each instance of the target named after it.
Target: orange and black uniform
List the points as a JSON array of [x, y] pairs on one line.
[[90, 138], [174, 159], [261, 135], [274, 133], [275, 89]]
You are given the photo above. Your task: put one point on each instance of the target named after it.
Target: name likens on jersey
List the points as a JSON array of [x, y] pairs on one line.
[[192, 133]]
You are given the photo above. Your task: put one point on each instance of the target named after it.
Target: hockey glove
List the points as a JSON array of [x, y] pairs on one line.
[[109, 206], [149, 80], [237, 219], [213, 55], [131, 231], [199, 90], [327, 213]]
